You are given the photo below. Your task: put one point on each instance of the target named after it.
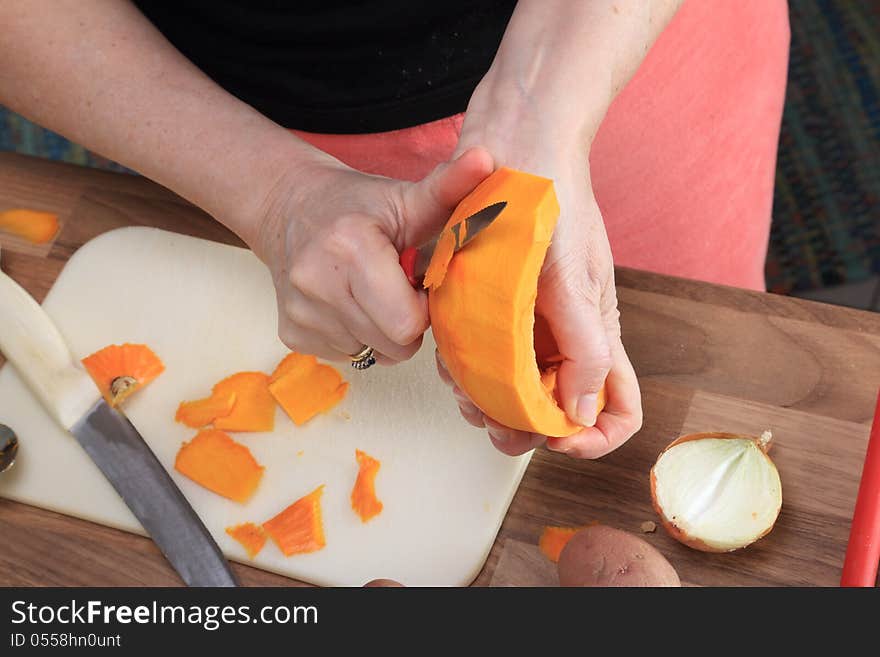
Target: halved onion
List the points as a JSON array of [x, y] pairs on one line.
[[717, 492]]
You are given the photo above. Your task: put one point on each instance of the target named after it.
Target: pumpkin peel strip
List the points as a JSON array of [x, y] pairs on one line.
[[363, 496], [215, 461], [251, 537], [254, 408], [304, 388], [121, 370], [299, 528], [34, 226], [202, 412]]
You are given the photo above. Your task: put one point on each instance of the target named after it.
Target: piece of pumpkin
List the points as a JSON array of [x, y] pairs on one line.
[[299, 528], [121, 370], [554, 539], [363, 495], [303, 387], [214, 460], [202, 412], [33, 225], [254, 408], [251, 536], [291, 362], [482, 305], [440, 260]]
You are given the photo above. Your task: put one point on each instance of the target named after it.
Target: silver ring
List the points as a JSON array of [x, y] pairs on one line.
[[364, 359]]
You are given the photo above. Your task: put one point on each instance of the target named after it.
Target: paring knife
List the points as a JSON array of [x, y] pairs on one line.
[[32, 343], [415, 260]]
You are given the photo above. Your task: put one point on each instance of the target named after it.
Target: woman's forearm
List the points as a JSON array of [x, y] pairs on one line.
[[560, 65], [98, 72]]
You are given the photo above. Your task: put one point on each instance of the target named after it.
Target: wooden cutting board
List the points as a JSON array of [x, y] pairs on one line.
[[707, 356], [208, 310]]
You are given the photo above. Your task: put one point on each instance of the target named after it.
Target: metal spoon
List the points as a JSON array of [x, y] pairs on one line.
[[8, 448]]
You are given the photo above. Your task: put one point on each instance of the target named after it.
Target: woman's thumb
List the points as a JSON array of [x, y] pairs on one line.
[[429, 202]]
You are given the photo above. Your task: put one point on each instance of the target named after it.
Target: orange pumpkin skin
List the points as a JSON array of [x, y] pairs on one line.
[[137, 362], [214, 460], [483, 308], [363, 496], [251, 537], [300, 527], [303, 387], [33, 225]]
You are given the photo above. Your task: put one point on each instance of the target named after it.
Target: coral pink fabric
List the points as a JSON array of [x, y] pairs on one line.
[[683, 164]]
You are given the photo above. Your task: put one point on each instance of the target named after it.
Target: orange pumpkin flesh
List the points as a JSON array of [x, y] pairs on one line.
[[202, 412], [33, 225], [299, 528], [363, 495], [554, 539], [292, 362], [251, 536], [483, 306], [440, 260], [254, 408], [303, 387], [215, 461], [121, 370]]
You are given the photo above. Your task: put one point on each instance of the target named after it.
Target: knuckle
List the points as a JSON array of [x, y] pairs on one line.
[[302, 275], [344, 239], [636, 421], [292, 310], [407, 330], [600, 362]]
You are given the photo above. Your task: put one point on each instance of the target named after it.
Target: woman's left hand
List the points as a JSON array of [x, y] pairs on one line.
[[537, 109], [577, 297]]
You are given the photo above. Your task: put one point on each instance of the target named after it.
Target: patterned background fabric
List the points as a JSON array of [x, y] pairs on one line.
[[826, 216]]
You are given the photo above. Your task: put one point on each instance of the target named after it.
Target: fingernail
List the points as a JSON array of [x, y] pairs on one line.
[[586, 408]]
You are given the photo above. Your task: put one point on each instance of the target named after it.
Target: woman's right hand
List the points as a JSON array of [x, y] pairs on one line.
[[331, 236]]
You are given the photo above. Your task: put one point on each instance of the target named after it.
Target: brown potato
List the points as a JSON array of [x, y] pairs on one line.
[[604, 556], [377, 583]]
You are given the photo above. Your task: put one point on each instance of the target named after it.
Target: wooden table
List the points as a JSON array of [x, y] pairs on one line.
[[708, 358]]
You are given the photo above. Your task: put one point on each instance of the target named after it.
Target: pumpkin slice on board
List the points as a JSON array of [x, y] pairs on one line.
[[292, 362], [34, 226], [251, 536], [299, 528], [303, 387], [554, 539], [214, 460], [482, 305], [254, 408], [121, 370], [363, 495], [202, 412]]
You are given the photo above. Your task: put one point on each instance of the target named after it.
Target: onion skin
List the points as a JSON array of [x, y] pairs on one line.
[[669, 526]]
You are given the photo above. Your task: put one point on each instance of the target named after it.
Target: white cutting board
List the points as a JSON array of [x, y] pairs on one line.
[[208, 310]]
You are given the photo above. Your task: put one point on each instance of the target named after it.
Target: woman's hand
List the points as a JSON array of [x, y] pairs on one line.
[[577, 297], [331, 236], [558, 69]]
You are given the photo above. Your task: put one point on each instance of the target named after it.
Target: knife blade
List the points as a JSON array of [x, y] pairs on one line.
[[32, 343], [414, 261]]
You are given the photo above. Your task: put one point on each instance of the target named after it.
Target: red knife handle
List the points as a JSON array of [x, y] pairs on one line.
[[408, 264]]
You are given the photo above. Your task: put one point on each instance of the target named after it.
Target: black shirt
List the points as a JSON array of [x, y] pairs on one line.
[[340, 66]]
